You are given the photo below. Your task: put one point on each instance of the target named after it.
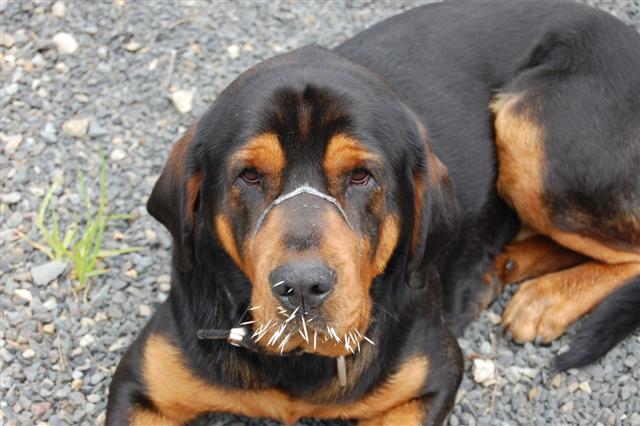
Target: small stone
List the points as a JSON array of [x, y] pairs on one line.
[[65, 43], [93, 398], [58, 9], [117, 155], [96, 130], [40, 408], [77, 127], [584, 387], [151, 236], [50, 304], [568, 407], [49, 132], [77, 384], [11, 143], [557, 380], [533, 393], [607, 399], [484, 371], [485, 348], [233, 51], [24, 294], [47, 272], [182, 100], [131, 273], [12, 198], [49, 328], [61, 67], [87, 340], [144, 310], [132, 46], [6, 40], [494, 318], [118, 344], [573, 387], [28, 354]]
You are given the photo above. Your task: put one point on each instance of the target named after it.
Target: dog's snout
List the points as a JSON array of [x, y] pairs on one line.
[[304, 284]]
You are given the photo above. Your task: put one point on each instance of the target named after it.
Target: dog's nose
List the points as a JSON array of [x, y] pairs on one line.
[[302, 284]]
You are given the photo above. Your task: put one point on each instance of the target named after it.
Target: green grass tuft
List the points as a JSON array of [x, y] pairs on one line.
[[81, 243]]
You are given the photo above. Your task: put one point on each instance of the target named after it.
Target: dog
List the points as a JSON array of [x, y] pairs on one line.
[[338, 216]]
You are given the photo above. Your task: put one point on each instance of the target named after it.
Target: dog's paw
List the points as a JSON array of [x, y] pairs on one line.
[[537, 310]]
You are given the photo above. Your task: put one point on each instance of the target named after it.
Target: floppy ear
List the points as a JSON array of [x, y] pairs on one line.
[[436, 211], [174, 199]]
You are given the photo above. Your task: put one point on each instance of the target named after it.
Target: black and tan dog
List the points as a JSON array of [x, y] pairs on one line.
[[316, 228]]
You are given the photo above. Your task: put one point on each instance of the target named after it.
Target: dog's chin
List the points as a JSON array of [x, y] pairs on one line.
[[319, 335]]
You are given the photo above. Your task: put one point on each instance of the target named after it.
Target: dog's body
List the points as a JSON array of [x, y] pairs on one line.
[[561, 82]]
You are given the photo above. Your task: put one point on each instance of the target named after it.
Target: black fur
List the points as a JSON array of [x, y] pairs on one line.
[[439, 66]]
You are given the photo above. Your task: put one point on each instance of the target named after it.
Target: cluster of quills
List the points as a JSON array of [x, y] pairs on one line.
[[288, 326]]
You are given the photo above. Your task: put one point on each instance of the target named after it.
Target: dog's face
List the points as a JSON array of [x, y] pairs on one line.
[[314, 182]]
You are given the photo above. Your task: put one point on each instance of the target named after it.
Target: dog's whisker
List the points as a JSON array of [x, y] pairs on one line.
[[246, 323], [253, 308], [315, 340], [278, 283]]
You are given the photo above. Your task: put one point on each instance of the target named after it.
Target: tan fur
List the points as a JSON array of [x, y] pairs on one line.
[[520, 148], [144, 417], [411, 413], [180, 395], [533, 257], [343, 155], [544, 307]]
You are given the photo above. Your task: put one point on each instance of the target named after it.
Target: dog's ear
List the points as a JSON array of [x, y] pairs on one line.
[[436, 211], [174, 199]]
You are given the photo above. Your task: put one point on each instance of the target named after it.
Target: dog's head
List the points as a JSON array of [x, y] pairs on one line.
[[316, 180]]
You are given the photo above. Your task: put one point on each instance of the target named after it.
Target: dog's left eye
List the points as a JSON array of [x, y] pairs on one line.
[[360, 177], [250, 176]]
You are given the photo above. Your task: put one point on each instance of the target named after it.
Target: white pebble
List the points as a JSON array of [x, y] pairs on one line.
[[182, 100], [144, 310], [86, 340], [484, 371], [65, 43], [28, 354], [58, 9], [11, 143], [24, 294], [76, 127], [11, 198], [117, 155], [233, 51]]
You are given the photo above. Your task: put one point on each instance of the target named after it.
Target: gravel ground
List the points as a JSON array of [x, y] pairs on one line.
[[121, 90]]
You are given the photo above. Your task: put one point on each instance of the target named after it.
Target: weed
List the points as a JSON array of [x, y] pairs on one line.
[[81, 242]]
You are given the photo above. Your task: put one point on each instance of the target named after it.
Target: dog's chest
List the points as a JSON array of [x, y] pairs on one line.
[[180, 395]]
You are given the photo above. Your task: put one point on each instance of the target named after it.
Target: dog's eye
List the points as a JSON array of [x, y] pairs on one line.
[[250, 176], [360, 177]]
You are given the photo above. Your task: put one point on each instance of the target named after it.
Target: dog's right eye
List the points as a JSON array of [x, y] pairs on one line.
[[250, 176]]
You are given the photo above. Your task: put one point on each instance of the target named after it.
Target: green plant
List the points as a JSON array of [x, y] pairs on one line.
[[81, 247]]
